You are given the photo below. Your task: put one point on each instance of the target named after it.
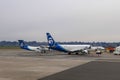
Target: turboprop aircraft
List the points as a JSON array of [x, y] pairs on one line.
[[67, 48], [32, 48]]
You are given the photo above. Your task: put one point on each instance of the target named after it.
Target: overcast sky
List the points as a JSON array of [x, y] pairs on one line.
[[66, 20]]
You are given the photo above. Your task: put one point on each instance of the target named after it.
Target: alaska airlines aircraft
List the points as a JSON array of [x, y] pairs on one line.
[[31, 48], [66, 48]]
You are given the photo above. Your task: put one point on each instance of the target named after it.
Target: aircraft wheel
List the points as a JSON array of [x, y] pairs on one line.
[[69, 53], [76, 53]]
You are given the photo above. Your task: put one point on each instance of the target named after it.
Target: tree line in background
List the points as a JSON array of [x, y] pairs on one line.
[[34, 43]]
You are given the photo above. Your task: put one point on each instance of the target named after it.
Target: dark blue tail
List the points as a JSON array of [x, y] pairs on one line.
[[21, 43], [54, 45], [50, 39]]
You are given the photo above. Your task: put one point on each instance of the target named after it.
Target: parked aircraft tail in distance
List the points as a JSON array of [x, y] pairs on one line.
[[22, 44]]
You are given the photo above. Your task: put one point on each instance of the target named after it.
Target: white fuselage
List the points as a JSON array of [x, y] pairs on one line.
[[75, 47], [37, 49], [97, 47]]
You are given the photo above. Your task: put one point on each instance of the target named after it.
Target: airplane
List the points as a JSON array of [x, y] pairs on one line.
[[41, 49], [67, 48]]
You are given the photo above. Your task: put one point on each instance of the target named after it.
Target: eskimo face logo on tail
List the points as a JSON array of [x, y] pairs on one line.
[[21, 44], [51, 42]]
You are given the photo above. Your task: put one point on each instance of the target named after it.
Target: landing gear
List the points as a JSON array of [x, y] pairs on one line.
[[69, 53], [76, 53]]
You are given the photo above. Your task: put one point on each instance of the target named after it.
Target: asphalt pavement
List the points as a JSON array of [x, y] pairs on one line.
[[95, 70]]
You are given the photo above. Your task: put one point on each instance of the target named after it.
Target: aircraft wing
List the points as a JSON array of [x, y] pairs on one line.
[[80, 50], [76, 50]]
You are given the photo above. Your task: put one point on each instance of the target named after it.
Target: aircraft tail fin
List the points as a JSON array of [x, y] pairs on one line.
[[21, 43], [50, 39]]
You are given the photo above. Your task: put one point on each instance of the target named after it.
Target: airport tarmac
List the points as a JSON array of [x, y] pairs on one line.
[[17, 64], [95, 70]]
